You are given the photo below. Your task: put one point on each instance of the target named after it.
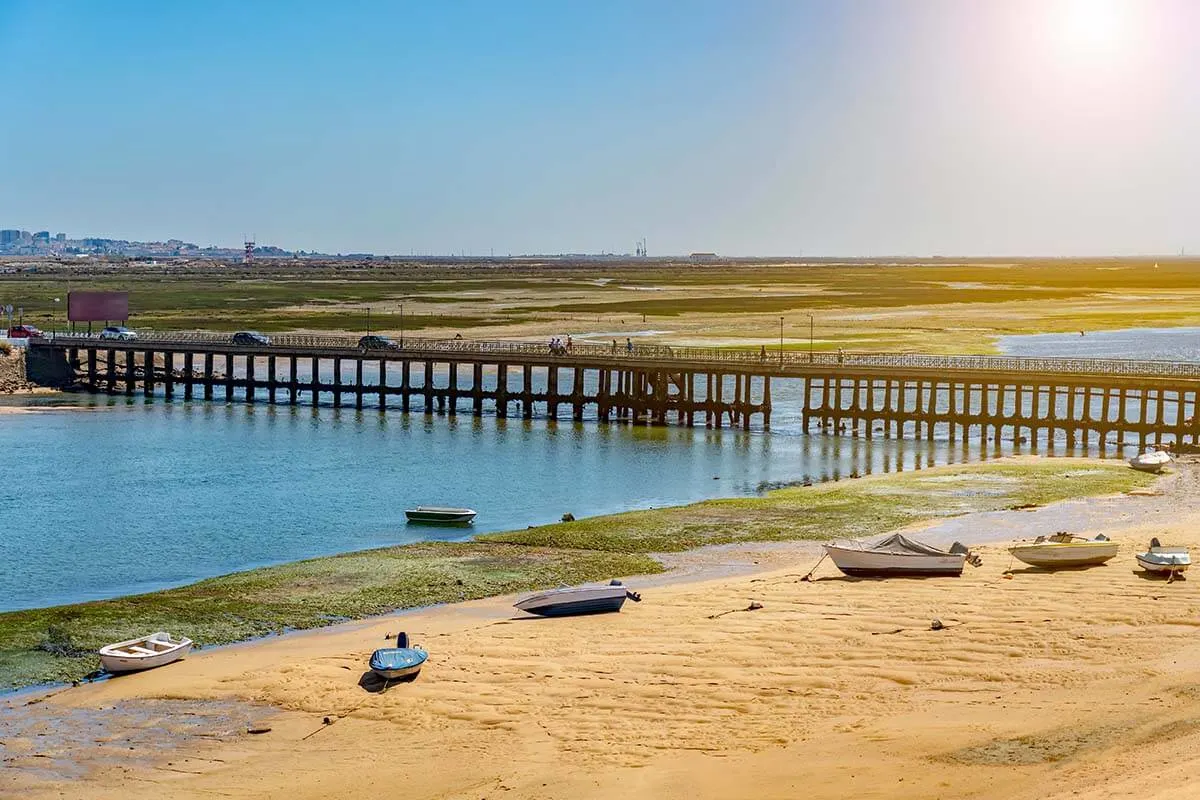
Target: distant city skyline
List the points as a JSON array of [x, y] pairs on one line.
[[779, 127]]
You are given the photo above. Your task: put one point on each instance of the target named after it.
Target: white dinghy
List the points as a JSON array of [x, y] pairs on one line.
[[147, 652], [896, 555], [1150, 461], [1169, 561]]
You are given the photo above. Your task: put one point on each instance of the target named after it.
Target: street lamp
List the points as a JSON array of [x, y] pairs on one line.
[[402, 324], [368, 320], [810, 338], [54, 322], [781, 341]]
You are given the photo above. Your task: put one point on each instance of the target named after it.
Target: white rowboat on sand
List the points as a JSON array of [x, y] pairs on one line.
[[1166, 560], [1150, 461], [895, 555], [150, 651]]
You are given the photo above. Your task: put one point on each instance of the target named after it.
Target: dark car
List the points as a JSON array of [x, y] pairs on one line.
[[23, 332], [373, 342], [250, 338]]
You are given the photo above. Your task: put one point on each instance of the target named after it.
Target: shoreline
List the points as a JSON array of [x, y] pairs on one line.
[[835, 687], [316, 593]]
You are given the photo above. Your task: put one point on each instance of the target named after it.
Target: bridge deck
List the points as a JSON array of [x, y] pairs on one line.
[[586, 355]]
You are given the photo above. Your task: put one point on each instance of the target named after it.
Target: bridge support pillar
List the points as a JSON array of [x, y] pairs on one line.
[[208, 376], [577, 398], [169, 374], [250, 378], [477, 389], [405, 384], [383, 383], [501, 390], [314, 384], [189, 374], [337, 382], [293, 381], [358, 383]]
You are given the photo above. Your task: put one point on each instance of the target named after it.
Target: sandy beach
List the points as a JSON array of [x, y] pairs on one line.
[[1069, 684]]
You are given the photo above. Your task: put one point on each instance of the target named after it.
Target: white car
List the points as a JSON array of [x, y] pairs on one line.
[[118, 333]]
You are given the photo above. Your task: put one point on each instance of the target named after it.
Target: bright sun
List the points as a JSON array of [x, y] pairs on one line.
[[1094, 25]]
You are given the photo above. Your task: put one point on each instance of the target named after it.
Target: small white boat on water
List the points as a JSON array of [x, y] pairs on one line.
[[1065, 550], [150, 651], [440, 515], [1170, 561], [569, 601], [1151, 461], [896, 555]]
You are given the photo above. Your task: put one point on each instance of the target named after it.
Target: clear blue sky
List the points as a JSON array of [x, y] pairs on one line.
[[866, 127]]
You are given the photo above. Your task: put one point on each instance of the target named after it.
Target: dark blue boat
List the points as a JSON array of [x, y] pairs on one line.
[[403, 661]]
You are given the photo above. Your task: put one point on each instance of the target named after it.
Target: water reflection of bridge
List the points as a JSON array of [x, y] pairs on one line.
[[1087, 401]]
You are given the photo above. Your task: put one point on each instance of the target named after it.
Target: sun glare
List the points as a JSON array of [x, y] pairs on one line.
[[1093, 26]]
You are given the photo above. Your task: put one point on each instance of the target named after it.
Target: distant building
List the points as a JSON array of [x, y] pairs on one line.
[[60, 237], [8, 237], [703, 256], [42, 236]]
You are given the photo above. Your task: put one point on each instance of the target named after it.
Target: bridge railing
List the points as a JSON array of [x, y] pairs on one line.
[[684, 356]]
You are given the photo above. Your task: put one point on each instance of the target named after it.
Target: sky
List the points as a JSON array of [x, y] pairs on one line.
[[756, 128]]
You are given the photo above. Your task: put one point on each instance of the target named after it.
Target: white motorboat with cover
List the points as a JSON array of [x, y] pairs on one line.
[[1066, 550], [1170, 561], [439, 515], [896, 555], [150, 651], [401, 661], [1150, 461], [571, 600]]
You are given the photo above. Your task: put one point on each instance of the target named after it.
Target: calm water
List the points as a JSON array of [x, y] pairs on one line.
[[1168, 344], [115, 496]]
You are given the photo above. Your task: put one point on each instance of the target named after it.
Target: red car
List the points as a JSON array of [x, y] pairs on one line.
[[23, 332]]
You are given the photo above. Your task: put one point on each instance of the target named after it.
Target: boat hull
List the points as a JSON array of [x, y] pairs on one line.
[[865, 563], [391, 663], [115, 661], [1164, 562], [1065, 556], [440, 517], [575, 601]]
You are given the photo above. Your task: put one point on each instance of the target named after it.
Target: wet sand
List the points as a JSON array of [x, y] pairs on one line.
[[1068, 684]]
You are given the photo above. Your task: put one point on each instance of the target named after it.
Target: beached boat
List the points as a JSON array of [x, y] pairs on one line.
[[895, 555], [150, 651], [1166, 560], [401, 661], [571, 600], [1150, 461], [438, 515], [1065, 550]]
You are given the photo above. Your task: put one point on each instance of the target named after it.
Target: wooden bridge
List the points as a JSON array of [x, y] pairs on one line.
[[1084, 401]]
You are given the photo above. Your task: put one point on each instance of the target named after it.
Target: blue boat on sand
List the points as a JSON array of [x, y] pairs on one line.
[[402, 661], [573, 600]]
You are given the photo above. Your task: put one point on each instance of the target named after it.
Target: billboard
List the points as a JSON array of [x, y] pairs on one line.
[[97, 306]]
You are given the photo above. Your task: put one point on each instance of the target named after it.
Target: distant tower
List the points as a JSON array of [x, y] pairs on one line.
[[248, 255]]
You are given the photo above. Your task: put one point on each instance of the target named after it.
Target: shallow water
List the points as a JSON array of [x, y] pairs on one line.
[[113, 496], [1166, 344]]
